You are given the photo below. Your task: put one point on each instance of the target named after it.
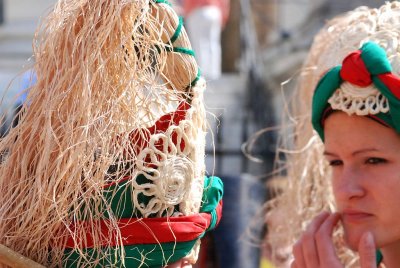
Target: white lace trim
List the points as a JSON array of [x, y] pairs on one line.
[[359, 100], [173, 162]]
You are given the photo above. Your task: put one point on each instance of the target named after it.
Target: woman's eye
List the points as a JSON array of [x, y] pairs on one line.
[[335, 162], [375, 160]]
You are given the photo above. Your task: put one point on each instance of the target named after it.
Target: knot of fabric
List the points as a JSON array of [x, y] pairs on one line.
[[354, 70], [359, 66]]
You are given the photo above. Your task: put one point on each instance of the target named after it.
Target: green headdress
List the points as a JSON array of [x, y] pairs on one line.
[[363, 85]]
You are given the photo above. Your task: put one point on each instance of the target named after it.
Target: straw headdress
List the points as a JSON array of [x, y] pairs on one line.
[[110, 137], [308, 189]]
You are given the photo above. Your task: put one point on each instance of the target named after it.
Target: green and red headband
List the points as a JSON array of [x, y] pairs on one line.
[[362, 68], [160, 241]]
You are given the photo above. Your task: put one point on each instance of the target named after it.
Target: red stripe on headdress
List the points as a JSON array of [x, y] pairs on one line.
[[392, 82], [139, 138], [136, 231]]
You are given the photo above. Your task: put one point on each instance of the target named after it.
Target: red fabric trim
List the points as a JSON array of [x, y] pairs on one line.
[[392, 82], [140, 137], [172, 118], [377, 119], [328, 111], [115, 182], [354, 70], [325, 115], [219, 212], [144, 230]]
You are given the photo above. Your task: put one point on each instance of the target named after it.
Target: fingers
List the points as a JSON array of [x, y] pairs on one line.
[[305, 251], [324, 241], [310, 249], [366, 250], [315, 247], [299, 261]]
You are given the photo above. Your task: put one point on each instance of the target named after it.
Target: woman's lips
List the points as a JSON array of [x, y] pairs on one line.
[[355, 216]]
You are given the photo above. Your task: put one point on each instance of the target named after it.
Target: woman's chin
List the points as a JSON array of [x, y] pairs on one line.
[[352, 239]]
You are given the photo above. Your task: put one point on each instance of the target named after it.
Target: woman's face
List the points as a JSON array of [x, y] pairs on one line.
[[365, 160]]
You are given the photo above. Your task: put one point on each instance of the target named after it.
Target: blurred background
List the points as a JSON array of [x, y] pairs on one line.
[[246, 49]]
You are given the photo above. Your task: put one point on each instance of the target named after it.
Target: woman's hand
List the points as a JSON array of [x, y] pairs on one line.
[[315, 247]]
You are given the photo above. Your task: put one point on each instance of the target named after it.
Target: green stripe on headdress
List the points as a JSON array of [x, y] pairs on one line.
[[325, 88], [152, 255]]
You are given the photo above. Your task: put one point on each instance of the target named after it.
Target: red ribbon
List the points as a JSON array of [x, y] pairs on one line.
[[354, 70], [139, 138], [392, 82], [137, 231]]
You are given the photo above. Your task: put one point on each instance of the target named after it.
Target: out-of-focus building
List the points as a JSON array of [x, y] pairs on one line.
[[18, 21]]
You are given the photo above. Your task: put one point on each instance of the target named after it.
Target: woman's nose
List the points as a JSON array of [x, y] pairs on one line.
[[347, 184]]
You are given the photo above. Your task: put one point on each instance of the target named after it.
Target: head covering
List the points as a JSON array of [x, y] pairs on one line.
[[106, 166], [365, 83]]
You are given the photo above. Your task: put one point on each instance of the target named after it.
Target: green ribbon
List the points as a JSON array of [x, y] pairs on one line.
[[150, 255], [177, 31], [174, 37]]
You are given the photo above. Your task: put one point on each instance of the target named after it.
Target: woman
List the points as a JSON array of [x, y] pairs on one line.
[[354, 68]]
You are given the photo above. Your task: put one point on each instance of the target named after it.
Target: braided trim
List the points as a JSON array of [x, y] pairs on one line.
[[182, 50], [177, 31], [175, 35], [194, 82], [360, 101]]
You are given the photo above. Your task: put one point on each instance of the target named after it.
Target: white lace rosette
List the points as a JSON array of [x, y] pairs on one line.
[[173, 162], [170, 171]]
